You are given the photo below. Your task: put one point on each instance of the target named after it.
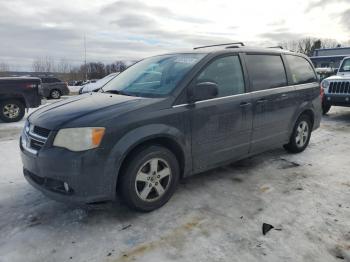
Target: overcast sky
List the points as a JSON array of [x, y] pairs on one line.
[[132, 29]]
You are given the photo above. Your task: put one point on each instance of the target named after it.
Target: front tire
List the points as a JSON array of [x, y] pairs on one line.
[[149, 179], [11, 110], [301, 135]]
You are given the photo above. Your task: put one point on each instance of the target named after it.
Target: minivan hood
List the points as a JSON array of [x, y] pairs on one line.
[[56, 115]]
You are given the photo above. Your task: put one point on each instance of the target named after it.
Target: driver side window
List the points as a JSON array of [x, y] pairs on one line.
[[227, 73]]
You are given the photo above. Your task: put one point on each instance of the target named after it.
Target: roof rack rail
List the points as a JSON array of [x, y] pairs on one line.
[[230, 45], [278, 46]]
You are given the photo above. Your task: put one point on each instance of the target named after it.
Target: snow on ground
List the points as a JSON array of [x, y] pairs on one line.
[[215, 216], [10, 130]]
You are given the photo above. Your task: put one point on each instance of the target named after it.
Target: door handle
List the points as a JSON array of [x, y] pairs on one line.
[[244, 104], [261, 101]]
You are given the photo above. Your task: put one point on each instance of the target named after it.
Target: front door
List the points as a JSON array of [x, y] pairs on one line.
[[221, 127]]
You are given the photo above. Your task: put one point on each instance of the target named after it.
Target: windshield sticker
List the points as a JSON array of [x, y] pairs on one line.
[[186, 59]]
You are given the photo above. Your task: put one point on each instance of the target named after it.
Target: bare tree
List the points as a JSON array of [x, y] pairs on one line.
[[63, 66], [308, 45], [290, 45], [44, 64], [4, 67]]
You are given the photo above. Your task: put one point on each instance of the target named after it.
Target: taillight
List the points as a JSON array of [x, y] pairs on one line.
[[29, 85], [321, 91]]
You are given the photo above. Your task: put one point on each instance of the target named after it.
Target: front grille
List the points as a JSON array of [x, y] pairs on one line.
[[339, 87], [41, 131], [34, 138]]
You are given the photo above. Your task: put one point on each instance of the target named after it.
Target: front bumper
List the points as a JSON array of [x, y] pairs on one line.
[[337, 99], [85, 173]]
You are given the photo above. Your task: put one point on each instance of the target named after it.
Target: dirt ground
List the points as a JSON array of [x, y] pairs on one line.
[[215, 216]]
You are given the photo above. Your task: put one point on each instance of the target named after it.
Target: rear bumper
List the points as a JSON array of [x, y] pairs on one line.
[[65, 91], [33, 100], [337, 100], [84, 173]]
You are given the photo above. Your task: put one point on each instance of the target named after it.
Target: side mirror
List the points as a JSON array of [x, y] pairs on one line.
[[204, 91]]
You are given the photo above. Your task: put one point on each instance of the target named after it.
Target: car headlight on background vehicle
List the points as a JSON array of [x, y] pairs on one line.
[[325, 84], [79, 139]]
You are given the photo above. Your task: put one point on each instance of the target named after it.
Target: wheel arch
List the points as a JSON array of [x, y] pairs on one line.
[[159, 134], [310, 114], [56, 89], [18, 97], [161, 140], [305, 109]]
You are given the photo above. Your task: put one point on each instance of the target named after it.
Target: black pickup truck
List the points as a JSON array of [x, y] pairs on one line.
[[17, 94]]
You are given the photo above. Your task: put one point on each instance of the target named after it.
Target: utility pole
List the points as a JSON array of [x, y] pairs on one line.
[[85, 57]]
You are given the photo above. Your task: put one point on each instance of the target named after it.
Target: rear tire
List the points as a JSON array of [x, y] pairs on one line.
[[301, 135], [55, 94], [149, 179], [11, 110], [325, 108]]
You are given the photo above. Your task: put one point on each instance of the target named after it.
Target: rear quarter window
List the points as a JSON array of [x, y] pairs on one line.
[[266, 71], [301, 70]]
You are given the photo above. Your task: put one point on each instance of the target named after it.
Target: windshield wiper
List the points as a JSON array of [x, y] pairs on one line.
[[117, 92]]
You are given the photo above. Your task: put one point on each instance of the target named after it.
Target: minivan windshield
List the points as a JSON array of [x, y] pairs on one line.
[[345, 67], [153, 77]]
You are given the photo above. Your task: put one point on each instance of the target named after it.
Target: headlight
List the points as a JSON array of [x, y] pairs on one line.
[[325, 84], [79, 139], [26, 126]]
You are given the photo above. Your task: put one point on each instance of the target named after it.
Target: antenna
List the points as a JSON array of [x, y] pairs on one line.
[[229, 44]]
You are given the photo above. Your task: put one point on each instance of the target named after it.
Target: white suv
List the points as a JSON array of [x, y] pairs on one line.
[[337, 88], [91, 87]]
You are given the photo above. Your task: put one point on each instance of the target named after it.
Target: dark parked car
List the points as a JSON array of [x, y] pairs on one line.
[[17, 94], [136, 138], [53, 88]]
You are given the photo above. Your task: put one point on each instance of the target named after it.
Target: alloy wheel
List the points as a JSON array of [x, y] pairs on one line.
[[153, 179], [302, 134], [11, 111], [55, 94]]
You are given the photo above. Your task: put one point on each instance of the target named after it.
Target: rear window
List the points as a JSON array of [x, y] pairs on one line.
[[266, 71], [301, 70]]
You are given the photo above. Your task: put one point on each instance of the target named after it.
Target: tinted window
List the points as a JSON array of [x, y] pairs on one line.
[[44, 80], [54, 80], [345, 67], [226, 72], [301, 70], [266, 71]]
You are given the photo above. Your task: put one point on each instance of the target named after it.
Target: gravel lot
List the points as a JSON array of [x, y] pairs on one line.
[[215, 216]]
